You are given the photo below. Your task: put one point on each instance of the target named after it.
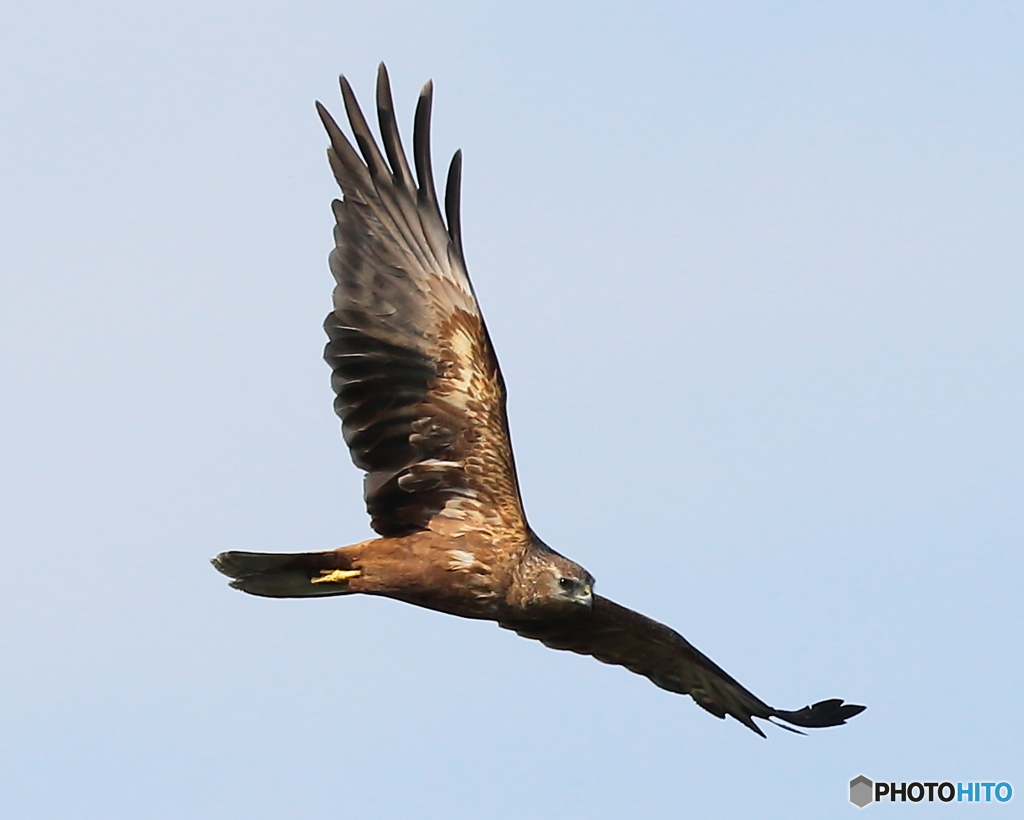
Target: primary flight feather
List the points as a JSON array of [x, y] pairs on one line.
[[422, 407]]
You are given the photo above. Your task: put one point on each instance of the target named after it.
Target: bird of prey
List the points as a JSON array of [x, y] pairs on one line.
[[422, 407]]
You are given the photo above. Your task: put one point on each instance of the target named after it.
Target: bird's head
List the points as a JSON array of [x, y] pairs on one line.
[[551, 583]]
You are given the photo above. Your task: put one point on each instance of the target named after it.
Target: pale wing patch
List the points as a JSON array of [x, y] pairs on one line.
[[426, 475], [459, 379], [464, 561], [460, 559]]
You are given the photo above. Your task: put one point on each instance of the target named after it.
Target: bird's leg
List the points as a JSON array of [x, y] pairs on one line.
[[335, 576]]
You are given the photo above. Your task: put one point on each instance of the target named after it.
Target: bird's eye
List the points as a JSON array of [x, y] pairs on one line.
[[567, 584]]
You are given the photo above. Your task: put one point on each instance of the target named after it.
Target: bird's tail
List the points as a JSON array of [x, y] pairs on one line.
[[288, 575]]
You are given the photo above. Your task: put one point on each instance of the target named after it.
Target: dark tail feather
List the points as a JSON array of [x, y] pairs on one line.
[[279, 575]]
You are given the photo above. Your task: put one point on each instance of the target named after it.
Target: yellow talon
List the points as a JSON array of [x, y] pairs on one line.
[[335, 576]]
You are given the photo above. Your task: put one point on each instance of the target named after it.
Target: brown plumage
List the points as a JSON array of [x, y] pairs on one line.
[[422, 406]]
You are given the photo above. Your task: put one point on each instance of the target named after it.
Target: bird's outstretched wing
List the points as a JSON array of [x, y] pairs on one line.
[[617, 635], [419, 392]]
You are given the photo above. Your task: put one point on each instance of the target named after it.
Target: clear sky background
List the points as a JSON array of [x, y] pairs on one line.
[[755, 275]]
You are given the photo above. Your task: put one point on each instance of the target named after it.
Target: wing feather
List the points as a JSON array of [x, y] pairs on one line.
[[389, 132], [452, 196], [616, 635], [417, 384]]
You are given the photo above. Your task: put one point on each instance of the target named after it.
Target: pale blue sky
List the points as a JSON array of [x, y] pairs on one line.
[[755, 275]]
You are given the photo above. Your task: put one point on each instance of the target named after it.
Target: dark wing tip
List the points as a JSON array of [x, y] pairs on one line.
[[833, 712], [324, 114], [389, 130], [421, 145], [452, 197]]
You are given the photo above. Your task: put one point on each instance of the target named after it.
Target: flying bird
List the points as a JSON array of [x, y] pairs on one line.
[[422, 406]]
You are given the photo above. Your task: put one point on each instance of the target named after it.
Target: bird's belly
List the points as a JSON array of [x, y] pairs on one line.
[[477, 606], [468, 580]]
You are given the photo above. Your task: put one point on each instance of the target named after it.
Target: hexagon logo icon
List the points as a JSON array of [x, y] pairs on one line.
[[861, 791]]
